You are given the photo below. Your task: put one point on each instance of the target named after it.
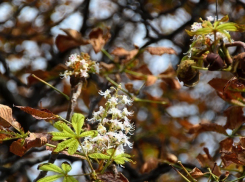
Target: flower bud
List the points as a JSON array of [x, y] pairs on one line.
[[214, 61], [187, 74]]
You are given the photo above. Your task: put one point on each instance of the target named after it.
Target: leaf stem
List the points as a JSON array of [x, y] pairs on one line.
[[64, 120], [186, 171], [180, 173], [118, 86], [66, 96], [109, 160], [107, 54]]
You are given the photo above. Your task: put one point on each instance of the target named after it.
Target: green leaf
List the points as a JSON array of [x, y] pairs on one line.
[[69, 179], [226, 34], [110, 151], [61, 135], [92, 133], [123, 155], [72, 146], [224, 19], [50, 167], [50, 178], [61, 146], [201, 31], [122, 160], [66, 167], [66, 129], [58, 125], [119, 161], [99, 156], [77, 122]]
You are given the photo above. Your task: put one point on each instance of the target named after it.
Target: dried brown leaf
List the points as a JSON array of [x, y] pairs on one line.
[[196, 173], [38, 114], [203, 127], [150, 164], [98, 39], [235, 117], [226, 145], [151, 79], [206, 161], [46, 75], [72, 39], [6, 118], [20, 147], [123, 54], [160, 50], [110, 177], [17, 148], [108, 67]]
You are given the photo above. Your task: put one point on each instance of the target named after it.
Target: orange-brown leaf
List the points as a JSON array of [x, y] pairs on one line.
[[36, 140], [98, 39], [110, 177], [46, 75], [226, 145], [160, 50], [17, 148], [203, 127], [235, 117], [150, 164], [72, 39], [38, 114], [6, 118], [124, 54], [151, 79], [196, 173]]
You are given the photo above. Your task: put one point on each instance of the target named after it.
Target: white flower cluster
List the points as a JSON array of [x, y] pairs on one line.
[[114, 126], [80, 66], [200, 42]]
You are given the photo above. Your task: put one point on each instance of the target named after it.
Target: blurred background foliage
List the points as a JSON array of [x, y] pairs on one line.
[[28, 29]]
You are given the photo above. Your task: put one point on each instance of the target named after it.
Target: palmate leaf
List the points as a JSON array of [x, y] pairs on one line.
[[72, 146], [51, 178], [69, 179], [50, 167], [61, 136], [91, 133], [77, 122], [71, 137], [66, 167], [61, 146], [99, 156]]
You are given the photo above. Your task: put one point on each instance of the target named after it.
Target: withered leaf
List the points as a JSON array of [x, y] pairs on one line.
[[226, 145], [150, 164], [206, 161], [20, 147], [37, 140], [169, 79], [124, 54], [6, 118], [160, 50], [196, 173], [203, 127], [38, 114], [151, 79], [46, 75], [108, 67], [229, 90], [110, 177], [98, 39], [72, 39], [235, 117]]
